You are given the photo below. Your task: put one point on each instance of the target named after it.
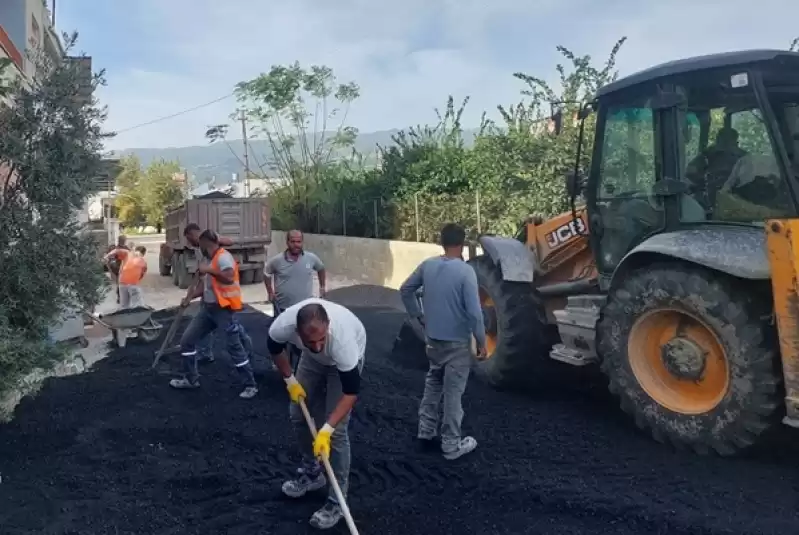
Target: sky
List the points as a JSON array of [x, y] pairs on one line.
[[165, 56]]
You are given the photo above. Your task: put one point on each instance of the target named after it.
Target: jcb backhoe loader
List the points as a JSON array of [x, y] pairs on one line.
[[677, 274]]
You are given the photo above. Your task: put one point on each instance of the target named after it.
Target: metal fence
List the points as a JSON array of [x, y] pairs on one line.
[[417, 219]]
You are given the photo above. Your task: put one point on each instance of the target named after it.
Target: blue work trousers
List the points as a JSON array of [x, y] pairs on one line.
[[210, 318]]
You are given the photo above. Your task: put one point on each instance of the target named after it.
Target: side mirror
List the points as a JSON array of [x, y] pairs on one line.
[[574, 184]]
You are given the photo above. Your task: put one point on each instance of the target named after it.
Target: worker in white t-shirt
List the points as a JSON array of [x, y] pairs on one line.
[[333, 344]]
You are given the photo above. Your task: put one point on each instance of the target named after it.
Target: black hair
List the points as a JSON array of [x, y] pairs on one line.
[[452, 235], [288, 234], [310, 313], [141, 249], [209, 235], [190, 227]]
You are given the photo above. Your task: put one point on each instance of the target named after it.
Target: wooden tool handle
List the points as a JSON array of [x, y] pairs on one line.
[[336, 488]]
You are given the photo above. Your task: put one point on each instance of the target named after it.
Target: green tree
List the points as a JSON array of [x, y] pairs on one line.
[[302, 113], [129, 203], [160, 192], [50, 145]]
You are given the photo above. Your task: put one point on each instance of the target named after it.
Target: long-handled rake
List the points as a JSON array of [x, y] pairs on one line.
[[330, 475]]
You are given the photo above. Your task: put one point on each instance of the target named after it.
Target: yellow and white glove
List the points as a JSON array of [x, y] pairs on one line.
[[296, 391], [321, 445]]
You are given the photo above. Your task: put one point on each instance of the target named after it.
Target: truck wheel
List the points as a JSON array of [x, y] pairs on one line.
[[175, 268], [517, 339], [163, 267], [184, 277], [691, 357], [246, 276], [258, 275]]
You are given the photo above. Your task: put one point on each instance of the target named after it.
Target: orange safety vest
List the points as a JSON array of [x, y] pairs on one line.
[[227, 295], [132, 270]]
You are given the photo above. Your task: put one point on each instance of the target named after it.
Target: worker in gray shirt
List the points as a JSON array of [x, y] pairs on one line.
[[452, 315], [288, 276]]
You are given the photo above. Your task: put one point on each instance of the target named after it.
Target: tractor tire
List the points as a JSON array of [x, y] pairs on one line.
[[691, 355], [519, 345], [164, 269], [184, 277], [246, 277], [175, 268]]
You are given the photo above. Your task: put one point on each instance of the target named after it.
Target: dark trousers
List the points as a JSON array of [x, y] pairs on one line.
[[210, 318]]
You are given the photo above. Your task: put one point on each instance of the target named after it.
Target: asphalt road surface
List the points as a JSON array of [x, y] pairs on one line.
[[117, 451]]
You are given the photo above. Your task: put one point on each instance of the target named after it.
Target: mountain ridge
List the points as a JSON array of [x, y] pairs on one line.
[[219, 161]]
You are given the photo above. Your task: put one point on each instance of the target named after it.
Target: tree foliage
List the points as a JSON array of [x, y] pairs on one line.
[[50, 144], [506, 169], [145, 195]]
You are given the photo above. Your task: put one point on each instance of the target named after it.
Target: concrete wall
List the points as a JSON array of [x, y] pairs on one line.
[[364, 260]]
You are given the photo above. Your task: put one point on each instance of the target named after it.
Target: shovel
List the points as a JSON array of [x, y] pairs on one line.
[[170, 334], [330, 475]]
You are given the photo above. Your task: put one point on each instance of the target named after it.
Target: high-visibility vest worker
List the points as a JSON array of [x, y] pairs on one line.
[[227, 295], [132, 270]]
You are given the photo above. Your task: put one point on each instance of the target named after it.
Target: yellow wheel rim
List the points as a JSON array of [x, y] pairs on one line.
[[679, 361], [492, 335]]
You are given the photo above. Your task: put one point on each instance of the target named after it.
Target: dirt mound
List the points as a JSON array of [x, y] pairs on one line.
[[117, 451]]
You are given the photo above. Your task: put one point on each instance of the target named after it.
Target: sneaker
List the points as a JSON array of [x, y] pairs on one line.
[[327, 517], [183, 384], [249, 392], [466, 445], [309, 480]]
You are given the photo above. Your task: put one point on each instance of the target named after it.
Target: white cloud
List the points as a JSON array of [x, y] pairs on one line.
[[406, 56]]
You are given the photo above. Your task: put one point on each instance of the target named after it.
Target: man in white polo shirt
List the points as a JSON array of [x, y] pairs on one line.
[[333, 344]]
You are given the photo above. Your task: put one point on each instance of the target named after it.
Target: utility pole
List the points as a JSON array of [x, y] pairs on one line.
[[246, 154], [52, 15]]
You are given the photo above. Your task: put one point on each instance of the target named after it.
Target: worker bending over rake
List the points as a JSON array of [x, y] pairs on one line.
[[205, 347], [333, 344], [452, 315], [221, 299]]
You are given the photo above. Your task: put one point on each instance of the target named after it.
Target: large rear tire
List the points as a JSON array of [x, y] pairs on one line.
[[164, 269], [692, 357], [184, 277], [517, 338]]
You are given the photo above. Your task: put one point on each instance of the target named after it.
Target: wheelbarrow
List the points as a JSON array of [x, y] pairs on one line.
[[122, 322]]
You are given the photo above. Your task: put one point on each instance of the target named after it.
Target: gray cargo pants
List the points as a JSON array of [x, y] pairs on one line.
[[323, 387], [450, 364]]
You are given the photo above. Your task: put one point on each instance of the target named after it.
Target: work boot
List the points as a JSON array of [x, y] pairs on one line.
[[249, 392], [310, 479], [184, 384], [466, 445], [328, 516]]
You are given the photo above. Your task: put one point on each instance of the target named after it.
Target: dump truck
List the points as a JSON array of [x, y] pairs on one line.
[[245, 220], [676, 270]]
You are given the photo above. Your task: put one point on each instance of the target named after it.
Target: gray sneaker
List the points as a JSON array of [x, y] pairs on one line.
[[327, 517], [184, 384], [466, 445], [310, 478], [249, 392]]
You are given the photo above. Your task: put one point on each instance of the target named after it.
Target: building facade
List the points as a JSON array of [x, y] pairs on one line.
[[26, 29]]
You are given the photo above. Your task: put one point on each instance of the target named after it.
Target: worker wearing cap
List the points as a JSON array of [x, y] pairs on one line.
[[333, 344], [205, 351], [221, 299]]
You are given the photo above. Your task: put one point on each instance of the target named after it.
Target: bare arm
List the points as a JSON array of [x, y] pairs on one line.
[[322, 282], [224, 241]]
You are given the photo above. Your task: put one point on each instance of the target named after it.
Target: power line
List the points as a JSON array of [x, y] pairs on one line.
[[178, 114]]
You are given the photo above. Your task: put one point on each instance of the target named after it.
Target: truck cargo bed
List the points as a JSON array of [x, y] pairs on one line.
[[247, 221]]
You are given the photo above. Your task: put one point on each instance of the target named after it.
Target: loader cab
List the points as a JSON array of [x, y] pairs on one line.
[[705, 141]]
